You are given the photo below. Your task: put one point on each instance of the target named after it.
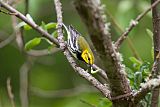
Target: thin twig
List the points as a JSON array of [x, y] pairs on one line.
[[44, 52], [101, 72], [19, 36], [10, 94], [145, 88], [7, 41], [25, 68], [104, 89], [8, 13], [63, 92], [133, 24], [120, 30], [79, 70], [156, 41], [32, 24], [24, 82], [38, 53]]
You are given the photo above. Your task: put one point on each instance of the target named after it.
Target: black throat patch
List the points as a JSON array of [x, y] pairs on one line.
[[79, 56]]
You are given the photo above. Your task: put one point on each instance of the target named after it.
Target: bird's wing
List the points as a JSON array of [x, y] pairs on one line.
[[73, 38]]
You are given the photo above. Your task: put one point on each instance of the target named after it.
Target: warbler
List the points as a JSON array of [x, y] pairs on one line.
[[78, 46]]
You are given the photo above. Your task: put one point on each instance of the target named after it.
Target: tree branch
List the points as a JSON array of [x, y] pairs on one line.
[[33, 25], [101, 72], [44, 52], [93, 16], [115, 24], [24, 68], [18, 33], [24, 82], [10, 94], [145, 88], [79, 70], [82, 72], [156, 41], [7, 41], [149, 85], [63, 92], [133, 23], [39, 29], [87, 76]]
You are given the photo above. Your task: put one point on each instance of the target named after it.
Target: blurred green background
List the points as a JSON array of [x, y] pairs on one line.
[[53, 73]]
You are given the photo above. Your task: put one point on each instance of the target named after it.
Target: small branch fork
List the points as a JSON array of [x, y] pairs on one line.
[[145, 88], [33, 25], [8, 13], [150, 84], [133, 23]]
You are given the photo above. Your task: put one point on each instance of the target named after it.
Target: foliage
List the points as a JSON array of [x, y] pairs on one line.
[[53, 72], [138, 74]]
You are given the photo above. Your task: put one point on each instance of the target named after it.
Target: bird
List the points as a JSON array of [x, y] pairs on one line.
[[78, 46]]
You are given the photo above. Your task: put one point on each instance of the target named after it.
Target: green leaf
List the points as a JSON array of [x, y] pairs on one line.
[[137, 79], [32, 43], [23, 24], [150, 34], [43, 25], [48, 26], [136, 62], [130, 73], [55, 34], [145, 69], [47, 40], [27, 27], [51, 25], [148, 98]]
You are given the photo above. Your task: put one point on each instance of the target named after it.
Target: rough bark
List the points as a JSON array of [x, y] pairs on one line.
[[92, 14], [156, 40]]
